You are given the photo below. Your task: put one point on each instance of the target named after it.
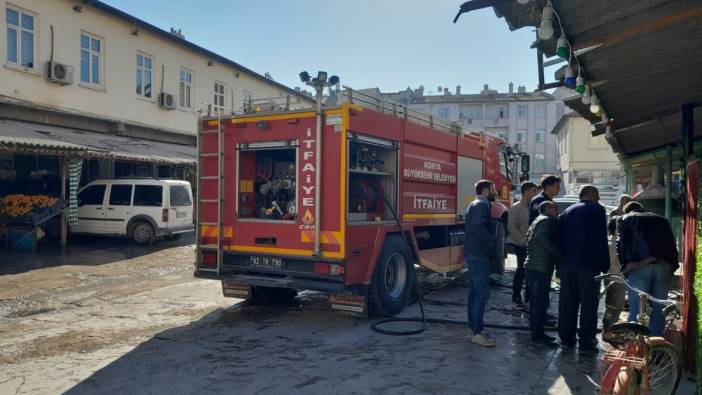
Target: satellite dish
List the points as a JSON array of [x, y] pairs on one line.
[[439, 88]]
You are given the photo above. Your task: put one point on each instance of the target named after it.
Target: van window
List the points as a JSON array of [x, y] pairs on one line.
[[148, 195], [92, 195], [180, 196], [121, 195]]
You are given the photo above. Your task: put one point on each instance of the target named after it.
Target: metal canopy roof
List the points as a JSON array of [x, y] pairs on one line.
[[25, 137], [644, 61]]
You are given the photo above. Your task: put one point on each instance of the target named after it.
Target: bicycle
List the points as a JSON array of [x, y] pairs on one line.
[[638, 362]]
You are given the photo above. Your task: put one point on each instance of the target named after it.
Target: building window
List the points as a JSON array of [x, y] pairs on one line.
[[539, 137], [20, 37], [90, 59], [539, 161], [520, 137], [497, 111], [185, 88], [523, 111], [143, 75], [218, 96], [540, 111], [472, 112], [444, 113]]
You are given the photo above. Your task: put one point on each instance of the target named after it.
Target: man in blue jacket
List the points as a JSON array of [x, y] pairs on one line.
[[478, 251], [584, 255]]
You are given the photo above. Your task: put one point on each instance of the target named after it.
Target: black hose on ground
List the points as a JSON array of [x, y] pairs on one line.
[[423, 319]]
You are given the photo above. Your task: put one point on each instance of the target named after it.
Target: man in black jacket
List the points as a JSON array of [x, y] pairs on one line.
[[584, 255], [550, 186], [478, 251], [542, 259], [649, 257]]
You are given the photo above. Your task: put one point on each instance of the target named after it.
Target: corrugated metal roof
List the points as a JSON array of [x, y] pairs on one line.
[[643, 62], [18, 136]]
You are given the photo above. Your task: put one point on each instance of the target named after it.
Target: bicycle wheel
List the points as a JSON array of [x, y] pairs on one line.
[[664, 368]]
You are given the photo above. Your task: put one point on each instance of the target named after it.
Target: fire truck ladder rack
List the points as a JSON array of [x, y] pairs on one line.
[[402, 111], [220, 188]]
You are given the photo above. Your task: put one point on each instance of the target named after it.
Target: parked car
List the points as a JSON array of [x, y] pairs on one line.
[[141, 209]]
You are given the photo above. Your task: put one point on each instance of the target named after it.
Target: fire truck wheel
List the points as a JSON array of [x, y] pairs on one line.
[[142, 233], [271, 295], [393, 279]]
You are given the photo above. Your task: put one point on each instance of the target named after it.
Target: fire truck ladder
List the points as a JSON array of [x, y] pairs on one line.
[[403, 111], [220, 189]]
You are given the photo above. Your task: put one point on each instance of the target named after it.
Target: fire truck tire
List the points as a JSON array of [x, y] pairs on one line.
[[271, 295], [142, 233], [392, 281]]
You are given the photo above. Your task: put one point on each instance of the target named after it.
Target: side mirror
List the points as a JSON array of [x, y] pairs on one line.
[[525, 163]]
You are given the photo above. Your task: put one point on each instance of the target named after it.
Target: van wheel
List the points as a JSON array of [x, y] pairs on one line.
[[393, 279], [172, 237], [271, 295], [143, 233]]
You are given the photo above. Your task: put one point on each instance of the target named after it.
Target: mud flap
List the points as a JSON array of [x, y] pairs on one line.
[[233, 289], [356, 305]]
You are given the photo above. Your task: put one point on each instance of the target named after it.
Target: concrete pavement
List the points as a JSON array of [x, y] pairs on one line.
[[139, 323]]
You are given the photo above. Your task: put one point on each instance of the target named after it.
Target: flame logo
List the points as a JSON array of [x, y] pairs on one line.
[[308, 219]]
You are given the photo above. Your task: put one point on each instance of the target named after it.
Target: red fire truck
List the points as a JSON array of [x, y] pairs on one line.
[[280, 211]]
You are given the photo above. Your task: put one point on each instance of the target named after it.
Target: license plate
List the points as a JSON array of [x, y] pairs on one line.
[[266, 261], [181, 214]]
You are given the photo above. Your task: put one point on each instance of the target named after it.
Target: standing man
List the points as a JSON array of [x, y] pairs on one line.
[[542, 259], [583, 232], [649, 257], [478, 251], [550, 185], [517, 226], [623, 200]]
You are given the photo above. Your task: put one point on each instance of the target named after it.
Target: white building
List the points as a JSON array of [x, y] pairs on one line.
[[587, 159], [523, 118], [86, 86], [119, 81]]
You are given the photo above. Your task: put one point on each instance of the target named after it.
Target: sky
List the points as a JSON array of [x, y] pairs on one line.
[[390, 44]]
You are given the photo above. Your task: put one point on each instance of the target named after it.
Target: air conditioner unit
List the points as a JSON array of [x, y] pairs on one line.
[[167, 101], [59, 73]]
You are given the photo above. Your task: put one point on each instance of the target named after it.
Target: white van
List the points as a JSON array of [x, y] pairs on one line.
[[140, 208]]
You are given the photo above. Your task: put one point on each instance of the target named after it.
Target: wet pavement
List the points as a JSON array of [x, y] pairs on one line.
[[132, 320]]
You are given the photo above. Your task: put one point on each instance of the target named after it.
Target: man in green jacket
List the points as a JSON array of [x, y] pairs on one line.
[[542, 259]]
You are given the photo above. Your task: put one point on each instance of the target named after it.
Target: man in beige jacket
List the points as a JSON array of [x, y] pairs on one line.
[[517, 226]]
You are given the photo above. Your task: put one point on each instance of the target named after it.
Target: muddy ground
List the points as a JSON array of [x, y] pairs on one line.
[[108, 317]]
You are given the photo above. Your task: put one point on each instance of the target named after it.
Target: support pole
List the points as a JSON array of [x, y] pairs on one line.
[[63, 231], [668, 181], [628, 187], [687, 129], [318, 177]]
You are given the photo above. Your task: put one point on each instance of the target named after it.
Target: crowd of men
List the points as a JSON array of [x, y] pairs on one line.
[[575, 245]]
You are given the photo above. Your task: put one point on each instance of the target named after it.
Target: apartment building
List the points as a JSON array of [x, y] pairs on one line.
[[523, 118]]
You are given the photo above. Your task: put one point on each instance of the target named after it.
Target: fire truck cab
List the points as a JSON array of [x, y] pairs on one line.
[[281, 209]]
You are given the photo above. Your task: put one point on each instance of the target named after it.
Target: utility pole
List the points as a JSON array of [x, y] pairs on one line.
[[318, 83]]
